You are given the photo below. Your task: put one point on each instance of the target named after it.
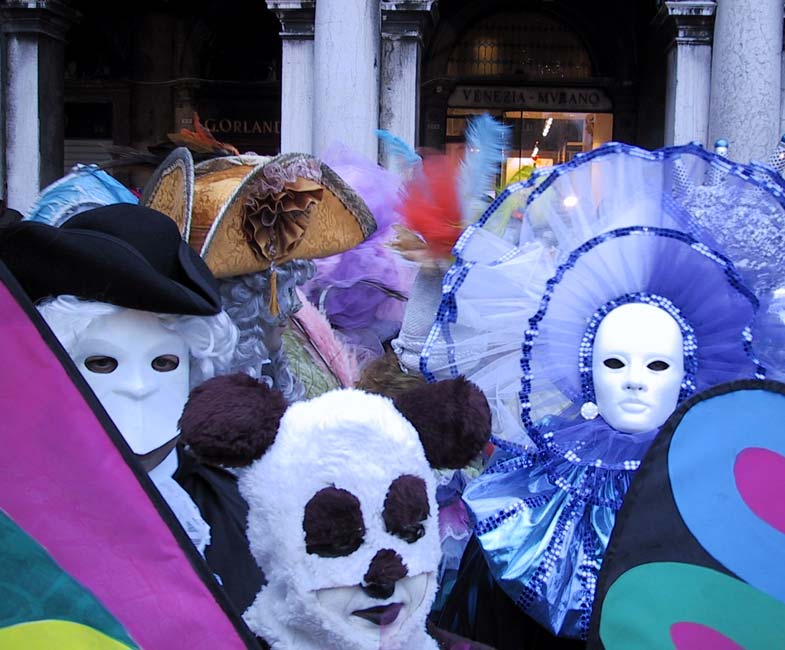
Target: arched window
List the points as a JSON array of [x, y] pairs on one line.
[[531, 45]]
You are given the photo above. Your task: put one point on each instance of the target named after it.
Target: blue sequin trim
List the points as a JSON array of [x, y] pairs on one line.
[[508, 446], [584, 490], [496, 520], [540, 580], [524, 461], [587, 572]]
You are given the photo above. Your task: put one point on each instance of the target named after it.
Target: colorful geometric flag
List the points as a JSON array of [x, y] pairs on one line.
[[100, 560]]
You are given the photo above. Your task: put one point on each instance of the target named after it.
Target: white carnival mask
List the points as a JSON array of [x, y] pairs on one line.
[[637, 367], [139, 371]]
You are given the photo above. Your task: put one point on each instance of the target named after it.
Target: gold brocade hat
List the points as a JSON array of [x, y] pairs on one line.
[[171, 189], [245, 214]]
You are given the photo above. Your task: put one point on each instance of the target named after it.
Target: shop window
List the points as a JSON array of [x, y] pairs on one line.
[[526, 44], [88, 120], [539, 138]]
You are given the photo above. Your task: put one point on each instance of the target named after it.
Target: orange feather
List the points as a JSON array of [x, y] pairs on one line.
[[200, 140]]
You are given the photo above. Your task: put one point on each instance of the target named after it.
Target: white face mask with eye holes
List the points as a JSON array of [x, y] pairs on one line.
[[139, 371], [637, 367]]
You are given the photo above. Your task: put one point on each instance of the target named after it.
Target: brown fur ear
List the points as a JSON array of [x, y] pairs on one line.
[[231, 420], [453, 419]]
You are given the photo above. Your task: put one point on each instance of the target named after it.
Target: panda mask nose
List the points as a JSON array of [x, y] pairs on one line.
[[385, 570]]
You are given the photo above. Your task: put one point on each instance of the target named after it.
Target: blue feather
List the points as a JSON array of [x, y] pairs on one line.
[[396, 148], [486, 141], [83, 188]]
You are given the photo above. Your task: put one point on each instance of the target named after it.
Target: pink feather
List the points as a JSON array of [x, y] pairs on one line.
[[340, 360]]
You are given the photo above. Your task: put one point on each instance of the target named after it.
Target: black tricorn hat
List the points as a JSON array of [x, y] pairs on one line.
[[124, 254]]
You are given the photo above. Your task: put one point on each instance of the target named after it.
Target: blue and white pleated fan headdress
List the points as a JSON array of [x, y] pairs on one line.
[[552, 254]]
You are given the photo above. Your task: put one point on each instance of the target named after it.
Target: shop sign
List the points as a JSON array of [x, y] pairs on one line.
[[546, 98], [245, 126], [235, 116]]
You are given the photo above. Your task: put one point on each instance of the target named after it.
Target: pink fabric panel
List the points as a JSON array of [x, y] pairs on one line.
[[694, 636], [760, 478]]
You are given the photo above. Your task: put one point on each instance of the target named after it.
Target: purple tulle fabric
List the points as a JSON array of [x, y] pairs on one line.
[[362, 291]]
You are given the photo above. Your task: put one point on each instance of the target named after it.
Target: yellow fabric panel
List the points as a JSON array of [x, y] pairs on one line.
[[63, 635]]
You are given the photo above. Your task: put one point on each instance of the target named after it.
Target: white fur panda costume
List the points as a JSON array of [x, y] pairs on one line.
[[343, 517]]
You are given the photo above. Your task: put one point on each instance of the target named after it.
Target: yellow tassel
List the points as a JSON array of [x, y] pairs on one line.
[[275, 309]]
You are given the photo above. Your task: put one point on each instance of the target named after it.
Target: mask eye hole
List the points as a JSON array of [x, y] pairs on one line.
[[406, 508], [658, 366], [100, 364], [333, 523], [613, 363], [165, 363]]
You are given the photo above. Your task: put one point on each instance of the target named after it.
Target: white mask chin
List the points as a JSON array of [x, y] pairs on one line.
[[139, 370], [637, 367], [375, 623]]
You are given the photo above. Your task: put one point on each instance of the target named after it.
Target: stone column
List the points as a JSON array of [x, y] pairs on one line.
[[746, 77], [33, 104], [403, 25], [689, 25], [346, 76], [297, 64]]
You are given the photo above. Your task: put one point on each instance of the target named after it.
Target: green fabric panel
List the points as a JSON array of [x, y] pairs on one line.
[[643, 604], [33, 587], [316, 379]]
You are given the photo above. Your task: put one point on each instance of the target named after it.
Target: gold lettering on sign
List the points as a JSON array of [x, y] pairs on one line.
[[226, 125]]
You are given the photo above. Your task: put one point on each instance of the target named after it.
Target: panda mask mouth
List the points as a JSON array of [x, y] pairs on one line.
[[380, 615], [363, 612]]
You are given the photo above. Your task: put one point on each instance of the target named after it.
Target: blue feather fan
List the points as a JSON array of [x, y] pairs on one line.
[[486, 141]]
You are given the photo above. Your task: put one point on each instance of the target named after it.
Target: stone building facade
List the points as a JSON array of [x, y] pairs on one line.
[[82, 80]]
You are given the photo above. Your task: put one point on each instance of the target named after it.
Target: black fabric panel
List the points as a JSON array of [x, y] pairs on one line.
[[215, 492], [478, 609]]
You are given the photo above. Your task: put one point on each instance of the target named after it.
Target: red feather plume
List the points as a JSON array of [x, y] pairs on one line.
[[431, 207]]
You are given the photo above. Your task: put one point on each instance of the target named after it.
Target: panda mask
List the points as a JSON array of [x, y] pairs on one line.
[[343, 518]]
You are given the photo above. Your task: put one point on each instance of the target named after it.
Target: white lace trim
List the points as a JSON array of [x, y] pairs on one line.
[[185, 510]]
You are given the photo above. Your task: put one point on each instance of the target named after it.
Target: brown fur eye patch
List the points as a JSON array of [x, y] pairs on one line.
[[406, 508], [333, 523]]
